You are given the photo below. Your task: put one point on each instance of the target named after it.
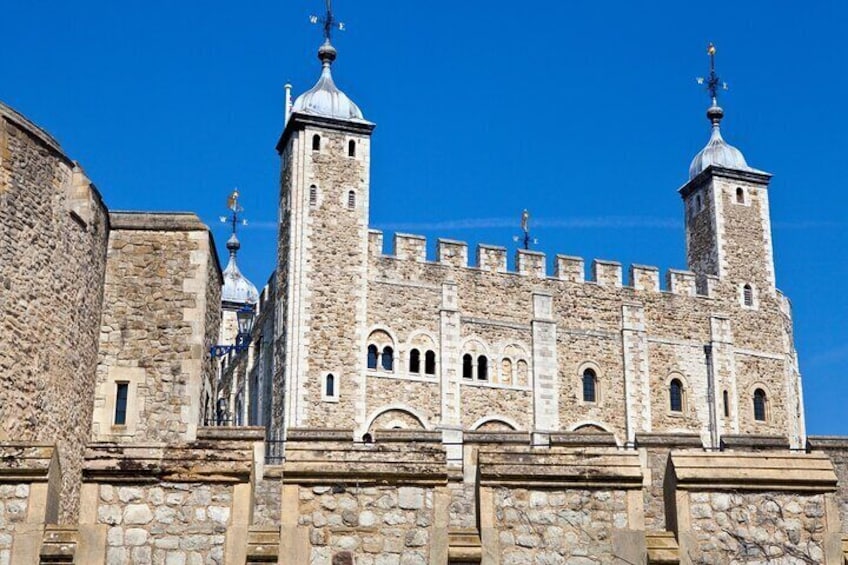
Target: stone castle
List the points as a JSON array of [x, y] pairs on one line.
[[392, 408]]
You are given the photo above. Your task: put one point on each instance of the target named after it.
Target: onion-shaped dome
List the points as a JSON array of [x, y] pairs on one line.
[[325, 99], [236, 286], [717, 151]]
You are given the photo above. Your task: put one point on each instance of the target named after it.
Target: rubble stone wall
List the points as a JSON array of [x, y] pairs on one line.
[[14, 502], [53, 251]]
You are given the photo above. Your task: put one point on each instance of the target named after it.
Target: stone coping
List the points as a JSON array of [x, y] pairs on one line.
[[827, 442], [232, 433], [415, 436], [669, 440], [761, 471], [560, 467], [322, 462], [27, 462], [754, 442], [155, 221], [584, 439], [319, 434], [213, 461], [496, 437], [32, 128]]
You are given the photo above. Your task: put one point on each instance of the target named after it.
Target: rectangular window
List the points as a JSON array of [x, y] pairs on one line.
[[121, 404]]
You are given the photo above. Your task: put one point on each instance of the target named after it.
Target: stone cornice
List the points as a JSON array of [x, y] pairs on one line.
[[757, 177], [298, 121], [26, 462]]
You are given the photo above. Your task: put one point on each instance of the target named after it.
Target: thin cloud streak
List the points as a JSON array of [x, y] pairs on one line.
[[835, 355]]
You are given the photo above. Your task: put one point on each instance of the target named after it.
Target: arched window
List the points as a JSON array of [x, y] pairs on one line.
[[482, 368], [748, 295], [330, 385], [372, 356], [506, 371], [740, 195], [430, 363], [351, 200], [675, 394], [316, 142], [760, 405], [726, 404], [522, 373], [351, 148], [467, 366], [313, 195], [414, 361], [387, 359], [589, 386]]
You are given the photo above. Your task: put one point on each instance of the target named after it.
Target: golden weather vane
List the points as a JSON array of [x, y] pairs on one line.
[[235, 211], [713, 82]]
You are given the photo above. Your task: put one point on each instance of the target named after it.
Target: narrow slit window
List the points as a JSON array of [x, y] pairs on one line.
[[430, 363], [740, 195], [387, 360], [414, 361], [675, 394], [748, 295], [313, 195], [330, 386], [760, 405], [483, 368], [726, 404], [467, 366], [351, 200], [589, 386], [316, 142], [121, 394], [351, 148]]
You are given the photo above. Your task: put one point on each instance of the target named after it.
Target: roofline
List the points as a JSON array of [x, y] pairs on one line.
[[751, 175], [299, 120]]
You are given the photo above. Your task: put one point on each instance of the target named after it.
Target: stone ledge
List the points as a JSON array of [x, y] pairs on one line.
[[413, 436], [669, 440], [754, 442], [211, 461], [319, 434], [335, 462], [560, 467], [26, 462], [155, 221], [231, 433], [496, 437], [827, 443], [761, 471], [583, 439]]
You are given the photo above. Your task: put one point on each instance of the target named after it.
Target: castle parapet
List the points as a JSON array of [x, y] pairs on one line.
[[530, 263], [606, 273], [569, 268], [681, 282], [644, 277], [453, 253], [408, 246], [491, 258]]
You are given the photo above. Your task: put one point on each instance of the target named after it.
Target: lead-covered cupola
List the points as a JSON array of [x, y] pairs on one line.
[[325, 99]]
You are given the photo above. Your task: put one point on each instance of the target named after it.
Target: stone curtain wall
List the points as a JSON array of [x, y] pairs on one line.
[[52, 248], [768, 527], [165, 523], [378, 524], [558, 526]]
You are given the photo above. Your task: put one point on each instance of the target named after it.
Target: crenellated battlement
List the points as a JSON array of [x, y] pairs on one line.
[[528, 263]]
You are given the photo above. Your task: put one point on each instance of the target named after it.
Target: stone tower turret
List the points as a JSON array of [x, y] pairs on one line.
[[322, 258]]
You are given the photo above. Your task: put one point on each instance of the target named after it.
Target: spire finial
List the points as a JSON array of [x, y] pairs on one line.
[[714, 86], [327, 53], [234, 219]]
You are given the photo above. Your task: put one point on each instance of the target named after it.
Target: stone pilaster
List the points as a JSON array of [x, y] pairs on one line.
[[449, 329], [724, 376], [545, 373], [637, 393]]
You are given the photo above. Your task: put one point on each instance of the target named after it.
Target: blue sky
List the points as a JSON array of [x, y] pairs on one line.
[[586, 113]]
